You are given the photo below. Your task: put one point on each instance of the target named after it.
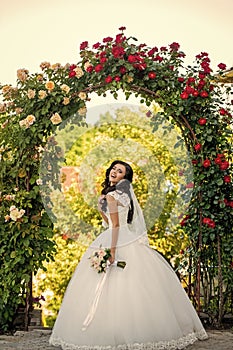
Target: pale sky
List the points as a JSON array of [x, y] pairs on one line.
[[33, 31]]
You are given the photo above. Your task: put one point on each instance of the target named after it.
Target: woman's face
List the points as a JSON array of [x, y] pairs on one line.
[[116, 174]]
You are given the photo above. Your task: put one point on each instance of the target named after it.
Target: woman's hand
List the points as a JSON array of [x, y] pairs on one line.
[[112, 257]]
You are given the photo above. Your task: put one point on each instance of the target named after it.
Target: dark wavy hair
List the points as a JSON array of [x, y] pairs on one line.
[[122, 187]]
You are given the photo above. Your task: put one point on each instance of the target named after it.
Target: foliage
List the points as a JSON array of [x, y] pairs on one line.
[[33, 111]]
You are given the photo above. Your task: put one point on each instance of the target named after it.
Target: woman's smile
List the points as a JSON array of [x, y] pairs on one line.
[[117, 173]]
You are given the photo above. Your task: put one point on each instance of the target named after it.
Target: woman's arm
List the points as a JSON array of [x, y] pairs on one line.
[[113, 211]]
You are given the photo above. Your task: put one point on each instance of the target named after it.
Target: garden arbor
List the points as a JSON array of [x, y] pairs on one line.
[[190, 98]]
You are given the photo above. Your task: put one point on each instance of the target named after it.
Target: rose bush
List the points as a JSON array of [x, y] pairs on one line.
[[190, 97]]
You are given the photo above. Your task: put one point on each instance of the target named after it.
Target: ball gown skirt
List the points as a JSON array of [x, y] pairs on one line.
[[142, 306]]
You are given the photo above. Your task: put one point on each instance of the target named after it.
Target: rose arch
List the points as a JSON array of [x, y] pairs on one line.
[[191, 98]]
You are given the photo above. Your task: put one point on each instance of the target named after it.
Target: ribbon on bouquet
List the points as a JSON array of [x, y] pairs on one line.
[[98, 292]]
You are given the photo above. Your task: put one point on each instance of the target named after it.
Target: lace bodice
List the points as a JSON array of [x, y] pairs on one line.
[[123, 202]]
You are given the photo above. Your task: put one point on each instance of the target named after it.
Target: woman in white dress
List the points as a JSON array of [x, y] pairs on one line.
[[140, 306]]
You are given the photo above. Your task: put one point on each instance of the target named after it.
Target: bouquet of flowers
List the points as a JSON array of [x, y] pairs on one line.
[[100, 262]]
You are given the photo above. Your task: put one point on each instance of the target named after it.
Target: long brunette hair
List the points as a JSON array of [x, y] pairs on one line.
[[123, 187]]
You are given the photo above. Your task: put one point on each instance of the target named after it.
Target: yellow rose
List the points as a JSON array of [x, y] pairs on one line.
[[18, 110], [79, 72], [22, 74], [66, 101], [2, 108], [128, 78], [7, 218], [23, 123], [55, 66], [30, 119], [65, 88], [42, 94], [50, 85], [31, 93], [82, 95], [44, 65], [56, 119], [82, 111]]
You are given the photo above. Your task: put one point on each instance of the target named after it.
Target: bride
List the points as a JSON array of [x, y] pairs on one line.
[[140, 306]]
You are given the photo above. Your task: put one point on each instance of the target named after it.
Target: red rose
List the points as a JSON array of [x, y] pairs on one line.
[[83, 45], [189, 89], [206, 220], [190, 80], [206, 163], [202, 75], [118, 51], [171, 67], [224, 165], [122, 70], [218, 161], [227, 179], [152, 75], [107, 40], [195, 93], [119, 38], [117, 78], [163, 48], [103, 59], [152, 51], [174, 46], [132, 58], [212, 224], [89, 69], [103, 53], [158, 58], [96, 46], [72, 74], [222, 66], [222, 111], [230, 203], [122, 28], [197, 147], [202, 121], [108, 79], [98, 68], [220, 155], [72, 66], [194, 161], [204, 94], [184, 95], [180, 79]]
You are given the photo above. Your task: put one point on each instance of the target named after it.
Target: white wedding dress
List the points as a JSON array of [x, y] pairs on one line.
[[142, 306]]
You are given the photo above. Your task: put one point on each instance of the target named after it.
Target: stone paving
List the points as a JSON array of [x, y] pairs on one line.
[[37, 339]]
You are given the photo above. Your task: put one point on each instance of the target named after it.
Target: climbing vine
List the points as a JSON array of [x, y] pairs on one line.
[[190, 97]]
